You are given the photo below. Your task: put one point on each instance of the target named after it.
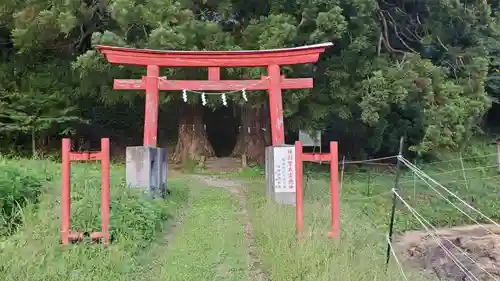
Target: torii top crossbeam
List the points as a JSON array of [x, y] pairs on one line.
[[213, 60], [288, 56]]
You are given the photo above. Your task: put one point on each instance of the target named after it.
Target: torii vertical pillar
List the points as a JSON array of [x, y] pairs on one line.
[[276, 105], [151, 106]]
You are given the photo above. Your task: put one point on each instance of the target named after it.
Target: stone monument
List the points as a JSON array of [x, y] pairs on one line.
[[146, 168]]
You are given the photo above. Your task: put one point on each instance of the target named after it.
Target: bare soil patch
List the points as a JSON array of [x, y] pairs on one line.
[[223, 165], [481, 246]]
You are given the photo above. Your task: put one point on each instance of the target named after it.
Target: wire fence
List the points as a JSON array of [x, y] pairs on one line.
[[457, 260], [461, 262], [431, 196]]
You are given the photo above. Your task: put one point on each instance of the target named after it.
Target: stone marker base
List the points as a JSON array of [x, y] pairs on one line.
[[284, 198], [280, 174], [146, 168]]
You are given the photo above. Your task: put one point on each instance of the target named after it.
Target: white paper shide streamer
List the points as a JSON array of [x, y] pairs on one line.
[[244, 95], [224, 100], [184, 95], [203, 99]]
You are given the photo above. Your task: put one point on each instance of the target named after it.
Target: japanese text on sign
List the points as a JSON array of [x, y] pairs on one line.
[[284, 169]]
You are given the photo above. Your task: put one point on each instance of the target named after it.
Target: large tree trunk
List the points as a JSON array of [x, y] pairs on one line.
[[192, 141], [251, 138], [33, 144], [266, 124]]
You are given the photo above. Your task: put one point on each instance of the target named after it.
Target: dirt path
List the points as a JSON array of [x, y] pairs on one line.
[[207, 241], [238, 191], [223, 165]]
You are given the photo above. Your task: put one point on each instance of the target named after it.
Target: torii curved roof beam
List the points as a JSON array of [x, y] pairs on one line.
[[247, 58]]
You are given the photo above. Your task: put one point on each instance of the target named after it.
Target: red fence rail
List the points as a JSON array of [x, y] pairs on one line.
[[67, 235], [332, 158]]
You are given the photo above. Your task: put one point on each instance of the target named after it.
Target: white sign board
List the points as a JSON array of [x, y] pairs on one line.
[[310, 139], [284, 169]]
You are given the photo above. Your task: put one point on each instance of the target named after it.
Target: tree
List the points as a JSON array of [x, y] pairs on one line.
[[411, 68], [281, 26], [161, 26], [34, 102], [228, 25], [414, 68]]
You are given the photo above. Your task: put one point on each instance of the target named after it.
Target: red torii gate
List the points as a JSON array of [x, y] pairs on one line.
[[214, 60]]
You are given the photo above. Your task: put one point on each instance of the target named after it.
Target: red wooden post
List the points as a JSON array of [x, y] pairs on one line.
[[331, 157], [214, 73], [105, 189], [65, 191], [151, 106], [276, 105], [299, 191], [68, 156], [334, 189]]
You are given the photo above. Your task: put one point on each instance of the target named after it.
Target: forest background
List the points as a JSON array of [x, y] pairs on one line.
[[425, 70]]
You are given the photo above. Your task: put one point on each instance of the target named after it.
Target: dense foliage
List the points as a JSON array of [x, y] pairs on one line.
[[423, 69], [17, 188]]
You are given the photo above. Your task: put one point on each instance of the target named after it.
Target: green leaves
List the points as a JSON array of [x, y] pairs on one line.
[[38, 99], [166, 38], [274, 31], [447, 109], [67, 22], [418, 68], [107, 38], [329, 25]]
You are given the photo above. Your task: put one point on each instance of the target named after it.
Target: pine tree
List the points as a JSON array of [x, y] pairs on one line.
[[414, 68], [35, 102]]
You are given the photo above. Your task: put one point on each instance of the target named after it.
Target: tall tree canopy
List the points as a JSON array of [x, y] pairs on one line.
[[427, 70]]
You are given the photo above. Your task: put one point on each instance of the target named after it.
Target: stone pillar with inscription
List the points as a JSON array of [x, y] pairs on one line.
[[146, 168], [280, 174]]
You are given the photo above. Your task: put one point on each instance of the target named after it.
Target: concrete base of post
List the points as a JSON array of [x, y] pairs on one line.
[[280, 174], [146, 168]]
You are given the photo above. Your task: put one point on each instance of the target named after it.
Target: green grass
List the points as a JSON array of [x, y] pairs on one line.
[[475, 183], [359, 255], [365, 206], [18, 187], [210, 244], [34, 252]]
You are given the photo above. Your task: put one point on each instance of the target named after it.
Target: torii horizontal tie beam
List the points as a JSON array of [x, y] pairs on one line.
[[247, 58], [207, 85]]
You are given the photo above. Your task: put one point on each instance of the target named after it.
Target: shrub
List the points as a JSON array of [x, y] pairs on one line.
[[135, 218], [17, 187]]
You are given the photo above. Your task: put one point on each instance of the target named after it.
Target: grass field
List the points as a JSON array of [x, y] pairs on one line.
[[34, 253], [198, 232], [208, 244], [365, 206]]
